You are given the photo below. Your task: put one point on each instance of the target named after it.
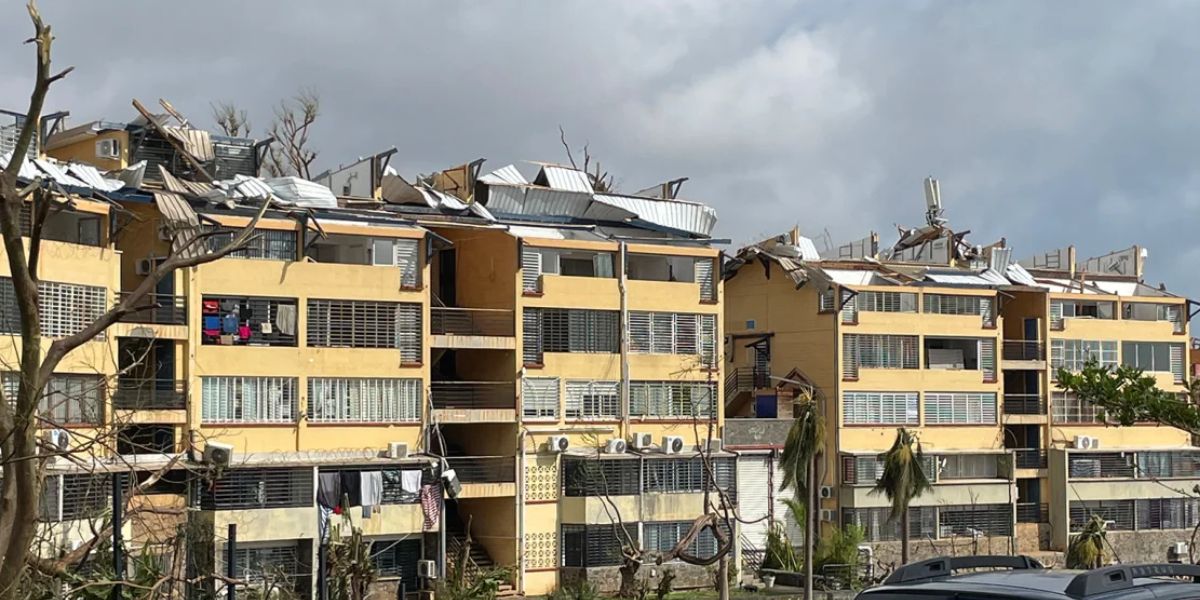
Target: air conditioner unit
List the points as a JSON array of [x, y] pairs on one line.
[[451, 483], [615, 446], [558, 443], [642, 441], [427, 569], [826, 492], [218, 454], [108, 148], [715, 445], [1083, 442], [672, 444], [1177, 549], [1095, 443], [59, 440], [144, 266], [828, 515], [397, 450]]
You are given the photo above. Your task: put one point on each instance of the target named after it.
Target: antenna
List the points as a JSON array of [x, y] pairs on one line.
[[933, 202]]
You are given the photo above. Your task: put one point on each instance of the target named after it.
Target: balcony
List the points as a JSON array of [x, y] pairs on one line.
[[150, 394], [485, 476], [1033, 512], [158, 309], [755, 433], [1023, 354], [1024, 404], [1030, 458], [472, 328], [474, 401]]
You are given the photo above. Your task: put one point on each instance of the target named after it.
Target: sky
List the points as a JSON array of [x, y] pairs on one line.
[[1047, 124]]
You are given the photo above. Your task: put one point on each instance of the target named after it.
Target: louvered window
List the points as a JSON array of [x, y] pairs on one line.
[[264, 244], [960, 408], [531, 270], [276, 565], [601, 476], [248, 321], [64, 308], [663, 536], [886, 302], [592, 399], [849, 307], [1056, 315], [596, 545], [969, 466], [1167, 513], [825, 301], [364, 324], [672, 333], [1101, 465], [1118, 513], [879, 352], [880, 408], [867, 469], [987, 359], [975, 520], [879, 527], [956, 304], [248, 399], [67, 399], [671, 398], [405, 254], [687, 475], [366, 400], [569, 330], [1073, 355], [539, 397], [1185, 464], [396, 558], [704, 277], [259, 488]]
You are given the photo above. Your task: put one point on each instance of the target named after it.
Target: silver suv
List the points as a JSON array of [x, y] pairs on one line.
[[1021, 577]]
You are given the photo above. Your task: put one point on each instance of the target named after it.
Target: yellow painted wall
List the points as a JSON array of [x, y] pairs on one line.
[[84, 151]]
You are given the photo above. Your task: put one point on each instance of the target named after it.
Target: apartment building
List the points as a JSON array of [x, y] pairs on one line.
[[960, 344], [552, 344]]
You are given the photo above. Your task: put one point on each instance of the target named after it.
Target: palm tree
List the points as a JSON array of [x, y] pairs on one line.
[[903, 481], [799, 464], [1086, 550]]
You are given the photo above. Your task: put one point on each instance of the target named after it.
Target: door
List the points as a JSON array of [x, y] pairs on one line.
[[447, 276], [1033, 329], [166, 285]]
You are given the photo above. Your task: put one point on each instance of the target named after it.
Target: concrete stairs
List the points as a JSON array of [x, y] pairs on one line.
[[478, 558]]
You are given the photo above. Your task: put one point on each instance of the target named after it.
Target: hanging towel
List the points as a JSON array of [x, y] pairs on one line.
[[410, 482], [212, 322], [244, 332], [229, 323], [329, 489], [431, 505], [323, 513], [211, 332], [211, 306], [285, 319], [352, 488], [372, 488]]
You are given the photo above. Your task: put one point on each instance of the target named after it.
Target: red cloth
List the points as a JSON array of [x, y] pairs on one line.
[[431, 505]]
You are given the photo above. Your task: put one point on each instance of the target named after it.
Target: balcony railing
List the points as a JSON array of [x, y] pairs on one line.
[[1024, 404], [153, 394], [745, 379], [484, 469], [1031, 458], [1023, 350], [471, 321], [473, 394], [158, 309], [1033, 512]]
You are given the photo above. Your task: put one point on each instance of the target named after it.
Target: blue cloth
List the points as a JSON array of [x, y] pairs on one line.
[[229, 324], [212, 322]]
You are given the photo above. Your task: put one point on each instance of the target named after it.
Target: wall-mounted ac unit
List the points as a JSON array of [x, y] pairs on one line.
[[558, 443], [643, 441], [828, 515], [715, 445], [59, 440], [826, 492], [397, 450], [672, 444], [1086, 442], [144, 266], [218, 454], [615, 446], [108, 148], [427, 569]]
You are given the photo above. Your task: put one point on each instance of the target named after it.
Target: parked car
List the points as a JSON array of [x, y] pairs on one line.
[[1021, 577]]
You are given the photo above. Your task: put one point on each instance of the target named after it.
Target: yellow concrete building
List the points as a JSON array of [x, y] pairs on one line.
[[960, 344], [515, 341]]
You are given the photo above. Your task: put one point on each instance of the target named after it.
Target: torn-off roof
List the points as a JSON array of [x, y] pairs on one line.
[[504, 175], [690, 217], [77, 176], [564, 178], [529, 200]]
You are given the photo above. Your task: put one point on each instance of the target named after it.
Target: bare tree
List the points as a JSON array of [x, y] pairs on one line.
[[20, 489], [234, 121], [294, 118], [602, 181]]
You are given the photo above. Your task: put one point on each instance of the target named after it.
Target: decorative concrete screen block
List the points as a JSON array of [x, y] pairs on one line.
[[541, 550], [541, 480]]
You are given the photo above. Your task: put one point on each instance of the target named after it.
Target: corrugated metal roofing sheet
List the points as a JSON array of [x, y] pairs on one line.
[[196, 142], [1017, 274], [553, 233], [540, 201], [684, 216], [849, 276], [93, 178], [563, 178], [808, 250], [507, 174]]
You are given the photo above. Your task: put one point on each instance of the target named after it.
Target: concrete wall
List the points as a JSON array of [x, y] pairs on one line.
[[608, 579]]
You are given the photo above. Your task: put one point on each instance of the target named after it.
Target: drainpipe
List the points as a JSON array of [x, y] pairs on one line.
[[521, 511], [621, 282]]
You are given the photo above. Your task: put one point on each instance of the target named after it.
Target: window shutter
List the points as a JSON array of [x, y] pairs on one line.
[[704, 276], [850, 355], [987, 358], [985, 312], [639, 332], [407, 258], [850, 308], [408, 332], [539, 398], [1056, 314], [662, 333], [686, 334], [825, 300], [531, 336], [708, 340], [531, 270], [1177, 362]]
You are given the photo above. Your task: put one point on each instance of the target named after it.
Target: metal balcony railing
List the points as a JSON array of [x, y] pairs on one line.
[[473, 394], [1033, 512], [745, 379], [154, 394], [158, 309], [471, 321], [1023, 350], [1031, 458], [484, 469], [1024, 404]]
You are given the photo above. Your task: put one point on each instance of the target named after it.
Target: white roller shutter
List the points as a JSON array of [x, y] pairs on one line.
[[753, 476]]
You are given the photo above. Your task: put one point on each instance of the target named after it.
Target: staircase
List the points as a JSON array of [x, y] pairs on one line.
[[478, 559]]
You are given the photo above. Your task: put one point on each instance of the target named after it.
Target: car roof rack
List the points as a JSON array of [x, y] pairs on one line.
[[944, 566], [1119, 577]]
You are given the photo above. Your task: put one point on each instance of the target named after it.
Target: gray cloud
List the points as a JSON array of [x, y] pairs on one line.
[[1047, 123]]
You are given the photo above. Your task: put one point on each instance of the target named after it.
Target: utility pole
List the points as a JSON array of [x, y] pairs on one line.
[[118, 512], [231, 563]]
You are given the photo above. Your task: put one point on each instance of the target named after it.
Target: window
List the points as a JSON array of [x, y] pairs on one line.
[[1100, 465], [596, 545], [960, 408], [67, 399], [539, 397], [536, 262], [568, 330], [671, 398], [264, 244], [878, 352], [953, 304], [876, 522], [673, 333], [260, 488], [1074, 354], [825, 301], [886, 302], [686, 475], [968, 466], [1080, 309], [1162, 357], [593, 399], [365, 324], [975, 520], [340, 400], [146, 439], [1147, 311], [64, 225], [866, 469], [880, 408], [396, 558], [1118, 513], [601, 476], [64, 308], [248, 321], [248, 399], [704, 270], [662, 537], [276, 564], [1167, 513], [1168, 464], [662, 267], [1069, 408], [83, 496]]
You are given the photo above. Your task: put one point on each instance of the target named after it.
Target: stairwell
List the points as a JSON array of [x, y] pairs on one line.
[[478, 558]]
